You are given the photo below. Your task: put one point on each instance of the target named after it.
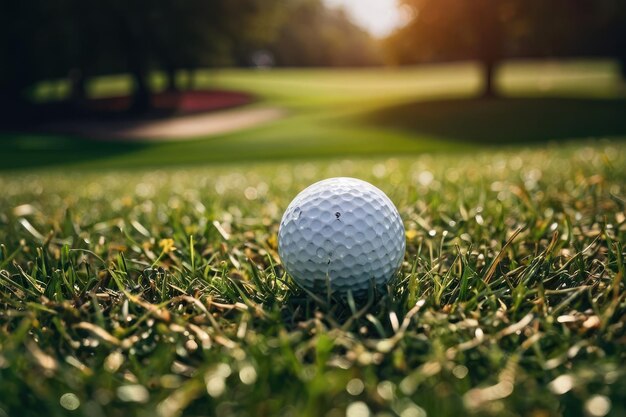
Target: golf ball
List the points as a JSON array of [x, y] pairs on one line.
[[341, 233]]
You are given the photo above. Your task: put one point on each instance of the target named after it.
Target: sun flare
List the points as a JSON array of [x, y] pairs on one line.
[[379, 17]]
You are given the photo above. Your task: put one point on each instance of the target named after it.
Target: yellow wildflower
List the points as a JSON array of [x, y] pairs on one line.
[[167, 245], [411, 234], [272, 241]]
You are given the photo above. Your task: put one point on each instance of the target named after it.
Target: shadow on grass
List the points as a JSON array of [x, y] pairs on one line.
[[504, 121], [43, 135], [23, 150], [507, 120]]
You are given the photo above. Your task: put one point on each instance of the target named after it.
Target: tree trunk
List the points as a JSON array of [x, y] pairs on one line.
[[13, 106], [78, 92], [17, 78], [191, 81], [489, 75], [170, 73], [137, 58], [486, 22], [141, 93]]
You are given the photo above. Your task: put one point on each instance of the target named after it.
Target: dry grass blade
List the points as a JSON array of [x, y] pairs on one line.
[[99, 333], [500, 256], [481, 317]]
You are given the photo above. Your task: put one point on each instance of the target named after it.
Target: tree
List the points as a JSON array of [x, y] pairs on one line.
[[492, 30], [51, 39], [314, 35], [172, 35], [191, 34], [24, 35], [445, 30]]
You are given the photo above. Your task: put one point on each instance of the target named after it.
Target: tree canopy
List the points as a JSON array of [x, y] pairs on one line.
[[492, 30], [313, 35], [43, 40], [78, 39]]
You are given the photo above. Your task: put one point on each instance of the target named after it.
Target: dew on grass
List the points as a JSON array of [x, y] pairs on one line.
[[251, 193], [598, 406], [425, 178], [191, 345], [413, 410], [407, 408], [408, 385], [249, 225], [355, 387], [379, 170], [69, 401], [248, 375], [215, 386], [358, 409], [386, 390], [561, 384], [133, 393], [460, 371]]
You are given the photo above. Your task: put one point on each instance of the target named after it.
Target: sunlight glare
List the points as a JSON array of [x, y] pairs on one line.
[[379, 17]]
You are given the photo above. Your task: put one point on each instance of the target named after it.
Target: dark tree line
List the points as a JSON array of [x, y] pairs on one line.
[[313, 35], [77, 39], [493, 30]]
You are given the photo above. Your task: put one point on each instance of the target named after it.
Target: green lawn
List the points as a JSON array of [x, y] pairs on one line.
[[361, 112], [510, 300], [143, 279]]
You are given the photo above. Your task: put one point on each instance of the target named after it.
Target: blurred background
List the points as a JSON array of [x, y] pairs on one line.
[[112, 83]]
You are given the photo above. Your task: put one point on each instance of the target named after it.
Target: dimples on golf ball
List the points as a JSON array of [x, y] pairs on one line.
[[343, 231]]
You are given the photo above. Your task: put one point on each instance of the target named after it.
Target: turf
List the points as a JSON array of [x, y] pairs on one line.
[[516, 119], [358, 112], [160, 292]]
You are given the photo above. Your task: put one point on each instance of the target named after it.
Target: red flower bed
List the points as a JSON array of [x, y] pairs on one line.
[[183, 102]]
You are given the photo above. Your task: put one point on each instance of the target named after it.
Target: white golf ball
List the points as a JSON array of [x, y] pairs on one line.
[[341, 233]]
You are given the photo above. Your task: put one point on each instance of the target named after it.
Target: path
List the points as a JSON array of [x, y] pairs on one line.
[[174, 128]]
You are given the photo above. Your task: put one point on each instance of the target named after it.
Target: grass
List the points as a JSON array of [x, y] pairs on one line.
[[143, 279], [362, 112], [516, 119], [160, 292]]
